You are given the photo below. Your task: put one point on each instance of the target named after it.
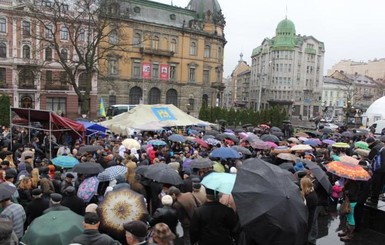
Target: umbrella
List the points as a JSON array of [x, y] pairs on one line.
[[54, 227], [242, 150], [201, 142], [251, 138], [311, 142], [227, 136], [347, 170], [118, 207], [328, 142], [225, 153], [267, 221], [260, 145], [247, 125], [65, 161], [271, 144], [319, 174], [286, 165], [211, 141], [275, 129], [341, 145], [164, 174], [141, 169], [88, 168], [221, 182], [362, 131], [281, 149], [208, 136], [156, 142], [293, 140], [277, 133], [301, 134], [301, 147], [176, 138], [302, 138], [6, 191], [190, 138], [201, 163], [89, 148], [287, 156], [361, 145], [239, 130], [111, 173], [211, 132], [270, 137], [88, 188], [348, 134], [349, 159], [131, 143], [313, 133], [327, 130], [193, 132]]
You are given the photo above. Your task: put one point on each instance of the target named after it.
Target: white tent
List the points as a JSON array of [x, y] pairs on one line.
[[375, 112], [151, 117]]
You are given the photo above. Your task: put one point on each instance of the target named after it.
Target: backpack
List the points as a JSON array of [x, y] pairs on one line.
[[377, 161]]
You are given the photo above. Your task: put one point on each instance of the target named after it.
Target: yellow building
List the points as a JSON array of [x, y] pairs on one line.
[[171, 55]]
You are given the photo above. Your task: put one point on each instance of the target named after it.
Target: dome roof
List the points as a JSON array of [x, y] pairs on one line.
[[202, 6], [285, 27], [376, 108]]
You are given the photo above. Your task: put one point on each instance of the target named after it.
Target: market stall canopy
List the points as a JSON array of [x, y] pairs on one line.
[[163, 115], [93, 128]]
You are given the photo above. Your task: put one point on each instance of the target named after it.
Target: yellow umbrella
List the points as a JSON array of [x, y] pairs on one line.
[[131, 143]]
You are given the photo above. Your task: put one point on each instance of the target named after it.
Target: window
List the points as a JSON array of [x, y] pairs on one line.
[[172, 97], [64, 54], [3, 50], [26, 78], [220, 53], [173, 45], [56, 104], [192, 71], [113, 66], [48, 77], [155, 42], [26, 28], [113, 37], [112, 99], [136, 69], [48, 54], [137, 10], [206, 76], [64, 33], [172, 72], [154, 96], [3, 25], [135, 95], [155, 71], [193, 48], [48, 31], [82, 35], [207, 51], [46, 3], [26, 52], [63, 77], [3, 77], [137, 39]]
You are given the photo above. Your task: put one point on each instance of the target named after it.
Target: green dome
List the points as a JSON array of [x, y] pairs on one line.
[[285, 27]]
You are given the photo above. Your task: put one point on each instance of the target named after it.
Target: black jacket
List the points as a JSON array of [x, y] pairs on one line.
[[213, 223], [93, 237], [74, 203], [374, 148], [36, 208], [55, 207], [165, 215]]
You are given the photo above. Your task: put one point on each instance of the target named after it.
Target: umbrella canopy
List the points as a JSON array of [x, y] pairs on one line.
[[251, 138], [208, 136], [164, 174], [89, 148], [211, 141], [119, 207], [319, 174], [211, 132], [347, 170], [242, 150], [275, 129], [225, 153], [156, 142], [201, 163], [349, 159], [220, 182], [301, 148], [131, 143], [278, 133], [361, 145], [341, 145], [141, 169], [88, 188], [293, 140], [327, 130], [260, 145], [270, 137], [88, 168], [287, 156], [328, 142], [54, 227], [271, 144], [227, 136], [267, 221], [111, 173], [311, 143], [6, 191], [301, 134], [201, 142], [286, 165], [177, 138], [65, 161], [348, 134], [313, 133]]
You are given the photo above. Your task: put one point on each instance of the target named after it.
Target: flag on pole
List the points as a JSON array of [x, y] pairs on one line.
[[102, 110]]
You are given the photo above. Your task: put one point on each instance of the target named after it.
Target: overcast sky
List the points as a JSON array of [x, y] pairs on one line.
[[350, 29]]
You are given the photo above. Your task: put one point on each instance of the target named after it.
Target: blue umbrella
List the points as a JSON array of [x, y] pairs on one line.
[[225, 153], [311, 142], [176, 138], [65, 161], [156, 142], [221, 182], [111, 173]]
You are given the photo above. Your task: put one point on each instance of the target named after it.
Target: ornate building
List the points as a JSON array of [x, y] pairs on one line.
[[236, 86], [287, 70], [176, 56]]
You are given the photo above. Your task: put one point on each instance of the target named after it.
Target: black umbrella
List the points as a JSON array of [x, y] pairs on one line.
[[89, 148], [348, 134], [239, 130], [275, 129], [263, 194], [269, 137], [277, 133], [286, 165], [164, 175], [247, 125], [141, 169], [242, 150], [88, 168], [201, 163], [227, 136], [320, 175], [313, 133], [327, 130], [205, 137], [6, 191], [211, 132]]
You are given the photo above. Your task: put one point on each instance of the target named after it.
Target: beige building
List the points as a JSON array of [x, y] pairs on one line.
[[373, 68], [234, 85]]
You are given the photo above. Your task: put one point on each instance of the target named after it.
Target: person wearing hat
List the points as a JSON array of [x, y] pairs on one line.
[[15, 213], [378, 178], [55, 203], [165, 214], [37, 206], [91, 234], [66, 182], [72, 201], [136, 232], [10, 176]]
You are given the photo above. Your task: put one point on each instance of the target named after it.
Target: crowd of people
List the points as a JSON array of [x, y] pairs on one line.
[[205, 215]]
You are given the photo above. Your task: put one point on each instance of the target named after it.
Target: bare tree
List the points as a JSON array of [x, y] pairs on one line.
[[82, 35]]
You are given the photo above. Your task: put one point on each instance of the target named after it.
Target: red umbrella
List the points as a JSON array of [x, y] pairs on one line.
[[201, 142], [347, 170]]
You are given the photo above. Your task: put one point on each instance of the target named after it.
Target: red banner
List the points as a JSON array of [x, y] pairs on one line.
[[164, 72], [146, 70]]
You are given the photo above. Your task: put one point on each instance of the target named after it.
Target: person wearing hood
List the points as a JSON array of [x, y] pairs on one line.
[[121, 183]]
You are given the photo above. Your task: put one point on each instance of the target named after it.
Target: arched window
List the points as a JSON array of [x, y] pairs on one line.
[[193, 48], [135, 96], [3, 50], [172, 97], [64, 54], [173, 45], [207, 51], [155, 42], [137, 39], [26, 52], [154, 96], [48, 54]]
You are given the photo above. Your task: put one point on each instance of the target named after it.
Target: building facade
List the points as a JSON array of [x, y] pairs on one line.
[[176, 56], [287, 70], [373, 68], [235, 86]]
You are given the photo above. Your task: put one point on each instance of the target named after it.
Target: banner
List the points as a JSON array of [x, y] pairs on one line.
[[146, 70], [164, 72], [163, 113], [102, 108]]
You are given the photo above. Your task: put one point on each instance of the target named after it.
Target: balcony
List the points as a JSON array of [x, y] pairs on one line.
[[56, 87], [27, 86], [156, 52]]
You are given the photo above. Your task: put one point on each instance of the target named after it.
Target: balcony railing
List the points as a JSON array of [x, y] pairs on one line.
[[157, 52], [56, 87]]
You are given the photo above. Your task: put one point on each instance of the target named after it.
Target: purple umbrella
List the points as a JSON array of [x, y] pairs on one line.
[[88, 188], [328, 142]]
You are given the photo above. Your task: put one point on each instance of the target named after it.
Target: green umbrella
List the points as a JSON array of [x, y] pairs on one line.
[[218, 167], [54, 227], [361, 145]]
